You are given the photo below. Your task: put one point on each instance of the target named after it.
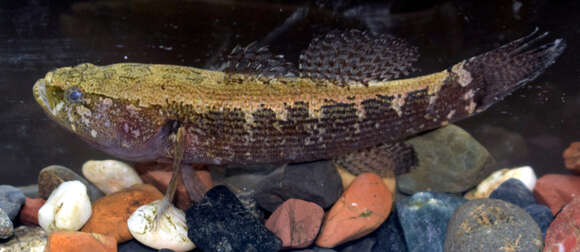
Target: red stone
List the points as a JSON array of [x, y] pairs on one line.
[[29, 212], [572, 157], [563, 235], [80, 241], [160, 175], [110, 213], [361, 209], [555, 190], [296, 222]]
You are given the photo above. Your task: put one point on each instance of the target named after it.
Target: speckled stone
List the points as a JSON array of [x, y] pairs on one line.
[[6, 226], [453, 167], [52, 176], [30, 239], [492, 225], [221, 223], [317, 182], [563, 235], [424, 217], [11, 200]]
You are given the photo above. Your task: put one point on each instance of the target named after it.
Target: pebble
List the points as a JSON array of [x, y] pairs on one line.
[[453, 167], [542, 215], [424, 218], [555, 190], [525, 174], [572, 157], [68, 208], [364, 244], [29, 239], [52, 176], [29, 212], [492, 225], [296, 222], [68, 241], [110, 175], [221, 223], [134, 246], [30, 191], [360, 210], [390, 235], [6, 226], [563, 235], [347, 178], [11, 200], [515, 192], [110, 213], [170, 232], [317, 182]]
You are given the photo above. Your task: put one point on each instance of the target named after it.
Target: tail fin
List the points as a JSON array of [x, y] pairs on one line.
[[499, 72]]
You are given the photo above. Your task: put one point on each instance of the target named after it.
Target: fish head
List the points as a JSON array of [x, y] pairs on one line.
[[77, 99]]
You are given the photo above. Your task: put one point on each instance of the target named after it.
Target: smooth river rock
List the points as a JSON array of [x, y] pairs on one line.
[[296, 222], [52, 176], [515, 192], [450, 160], [67, 208], [390, 236], [29, 239], [110, 175], [525, 174], [492, 225], [424, 218], [563, 235], [11, 200], [556, 190]]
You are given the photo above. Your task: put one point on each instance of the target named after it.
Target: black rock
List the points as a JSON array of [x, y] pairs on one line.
[[134, 246], [11, 200], [492, 225], [390, 235], [542, 215], [515, 192], [219, 222], [317, 182]]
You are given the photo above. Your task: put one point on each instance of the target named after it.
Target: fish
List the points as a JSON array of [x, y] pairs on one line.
[[348, 97]]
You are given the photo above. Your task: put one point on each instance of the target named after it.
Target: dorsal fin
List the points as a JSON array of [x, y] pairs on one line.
[[357, 58], [258, 61]]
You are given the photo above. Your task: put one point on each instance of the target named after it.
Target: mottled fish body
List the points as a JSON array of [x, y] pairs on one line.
[[346, 95]]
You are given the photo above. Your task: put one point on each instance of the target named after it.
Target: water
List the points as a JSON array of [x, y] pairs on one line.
[[37, 36]]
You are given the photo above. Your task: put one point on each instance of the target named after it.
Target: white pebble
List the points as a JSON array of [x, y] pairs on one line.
[[68, 208], [110, 175], [171, 231], [487, 186]]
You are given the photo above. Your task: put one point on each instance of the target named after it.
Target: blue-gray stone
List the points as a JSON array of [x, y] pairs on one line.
[[219, 222], [492, 225], [515, 192], [542, 215], [6, 226], [390, 236], [424, 218], [364, 244], [11, 200]]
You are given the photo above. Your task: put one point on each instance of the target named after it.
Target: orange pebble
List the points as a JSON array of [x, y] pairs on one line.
[[80, 241]]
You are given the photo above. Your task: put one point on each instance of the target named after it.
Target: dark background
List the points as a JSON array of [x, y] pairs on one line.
[[533, 126]]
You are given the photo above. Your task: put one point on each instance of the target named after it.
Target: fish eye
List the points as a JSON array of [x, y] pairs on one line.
[[74, 95]]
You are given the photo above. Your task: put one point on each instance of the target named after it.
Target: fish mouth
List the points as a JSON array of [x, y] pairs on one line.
[[39, 92]]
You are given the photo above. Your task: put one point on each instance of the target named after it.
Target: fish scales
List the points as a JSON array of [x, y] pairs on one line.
[[247, 118]]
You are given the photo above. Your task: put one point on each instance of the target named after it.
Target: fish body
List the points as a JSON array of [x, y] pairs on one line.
[[133, 110]]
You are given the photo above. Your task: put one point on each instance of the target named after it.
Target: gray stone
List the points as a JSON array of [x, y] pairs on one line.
[[450, 160], [6, 226], [492, 225], [11, 200], [25, 238], [30, 191], [424, 218], [317, 182], [52, 176]]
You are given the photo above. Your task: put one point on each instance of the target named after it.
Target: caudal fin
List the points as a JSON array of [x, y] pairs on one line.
[[499, 72]]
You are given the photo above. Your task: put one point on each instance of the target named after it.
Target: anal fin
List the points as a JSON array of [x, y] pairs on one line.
[[386, 160]]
